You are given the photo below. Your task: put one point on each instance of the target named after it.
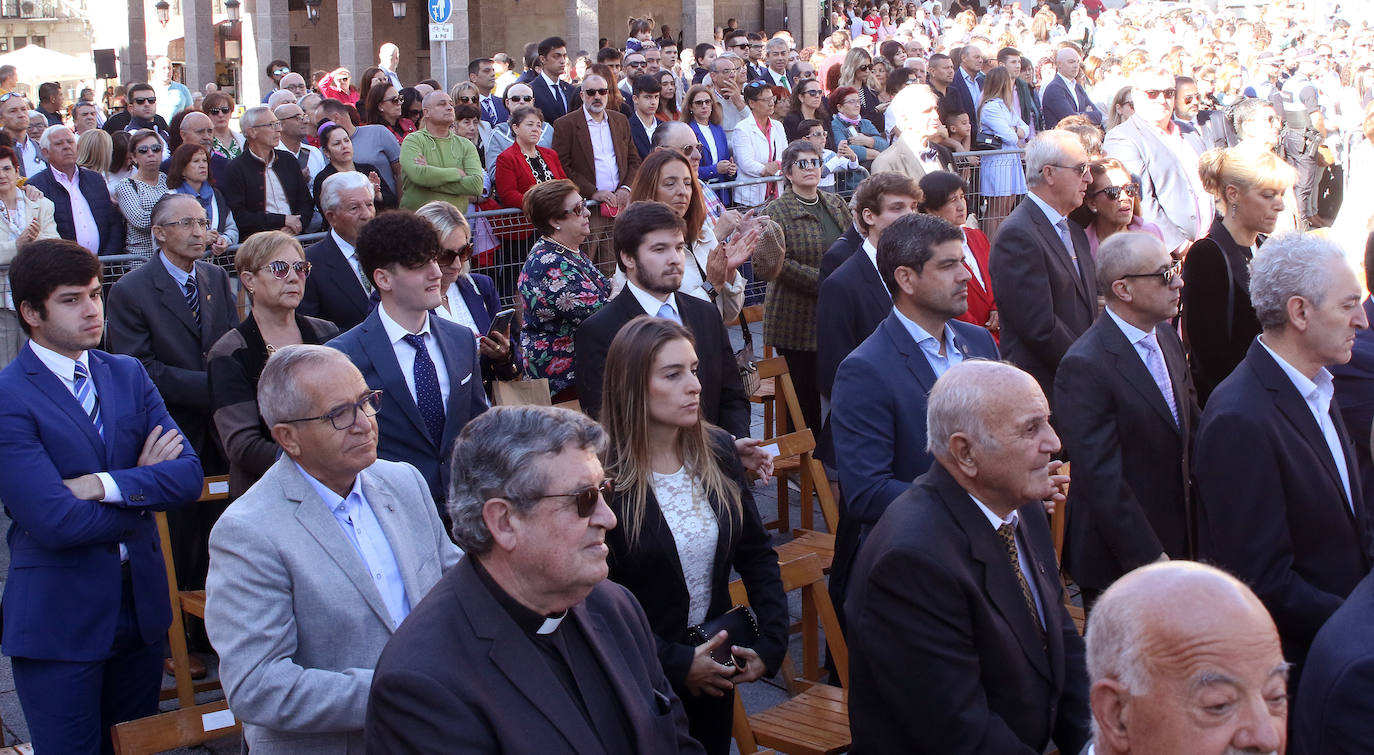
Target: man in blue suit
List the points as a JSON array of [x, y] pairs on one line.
[[967, 87], [554, 98], [81, 203], [878, 409], [90, 450], [1063, 95], [1334, 710], [1355, 386], [426, 366]]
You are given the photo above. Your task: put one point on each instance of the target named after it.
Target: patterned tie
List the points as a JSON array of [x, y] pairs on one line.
[[668, 313], [193, 299], [428, 397], [1155, 361], [488, 111], [90, 403], [362, 277], [1008, 535], [1067, 238]]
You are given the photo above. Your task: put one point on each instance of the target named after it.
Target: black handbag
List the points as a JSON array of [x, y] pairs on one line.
[[738, 622], [986, 141]]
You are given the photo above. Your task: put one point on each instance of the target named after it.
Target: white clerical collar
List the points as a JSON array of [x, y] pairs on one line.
[[551, 624]]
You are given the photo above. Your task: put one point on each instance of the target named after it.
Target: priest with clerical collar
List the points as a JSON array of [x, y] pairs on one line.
[[526, 647]]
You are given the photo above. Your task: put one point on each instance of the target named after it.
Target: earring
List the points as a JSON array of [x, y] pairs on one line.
[[250, 292], [558, 228]]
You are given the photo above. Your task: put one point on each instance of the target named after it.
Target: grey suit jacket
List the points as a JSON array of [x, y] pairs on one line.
[[1169, 186], [293, 613]]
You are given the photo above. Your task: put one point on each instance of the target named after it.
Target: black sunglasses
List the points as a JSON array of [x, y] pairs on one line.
[[602, 92], [468, 99], [220, 110], [155, 149], [280, 268], [144, 100], [587, 498], [520, 98], [1114, 192], [447, 256], [1155, 94], [1167, 276]]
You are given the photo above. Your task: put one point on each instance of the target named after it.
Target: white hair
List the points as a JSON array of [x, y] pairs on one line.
[[957, 402], [281, 389], [45, 140], [1047, 148], [281, 97], [1290, 264], [332, 189]]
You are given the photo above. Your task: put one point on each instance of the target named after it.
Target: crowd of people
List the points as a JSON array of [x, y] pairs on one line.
[[990, 239]]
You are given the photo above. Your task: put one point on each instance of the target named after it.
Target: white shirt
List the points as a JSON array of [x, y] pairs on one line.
[[1073, 90], [651, 303], [405, 353], [603, 152], [1317, 395], [33, 159], [346, 249], [650, 127], [973, 87], [359, 523], [557, 90], [87, 232], [939, 364], [872, 252], [275, 201], [1026, 570], [972, 263], [457, 309]]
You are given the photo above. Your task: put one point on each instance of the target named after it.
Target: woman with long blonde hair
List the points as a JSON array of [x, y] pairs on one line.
[[687, 518]]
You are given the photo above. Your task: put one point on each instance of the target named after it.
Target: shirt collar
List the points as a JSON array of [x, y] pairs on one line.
[[993, 519], [648, 301], [178, 275], [1133, 334], [394, 331], [1050, 212], [344, 246], [1319, 390], [525, 618], [61, 365], [268, 163], [921, 337], [553, 83], [1070, 83], [871, 251], [592, 121], [331, 499], [63, 178]]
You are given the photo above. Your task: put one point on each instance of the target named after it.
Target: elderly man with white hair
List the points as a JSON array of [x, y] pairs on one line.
[[914, 112], [1278, 486], [82, 209], [1183, 658], [388, 57]]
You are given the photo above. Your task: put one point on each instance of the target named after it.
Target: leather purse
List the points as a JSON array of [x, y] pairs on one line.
[[738, 622], [986, 141], [747, 362]]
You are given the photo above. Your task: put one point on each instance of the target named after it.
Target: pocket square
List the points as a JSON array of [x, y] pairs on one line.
[[661, 703], [465, 380]]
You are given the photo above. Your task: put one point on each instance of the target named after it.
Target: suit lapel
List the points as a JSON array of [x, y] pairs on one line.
[[1129, 365], [383, 504], [476, 307], [172, 297], [1294, 407], [612, 659], [915, 358], [342, 277], [51, 386], [458, 362], [383, 357]]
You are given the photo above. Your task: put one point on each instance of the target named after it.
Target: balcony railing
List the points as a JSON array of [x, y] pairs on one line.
[[30, 9]]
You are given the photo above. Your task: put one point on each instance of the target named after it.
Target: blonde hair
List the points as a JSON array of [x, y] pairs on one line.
[[445, 218], [1243, 168], [849, 69], [94, 150], [257, 250]]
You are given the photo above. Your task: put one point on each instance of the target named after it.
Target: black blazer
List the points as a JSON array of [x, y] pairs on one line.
[[1045, 304], [651, 570], [1331, 713], [1218, 322], [851, 304], [148, 319], [332, 291], [1130, 500], [1355, 392], [723, 402], [943, 657], [108, 219], [459, 675], [968, 101], [245, 188], [844, 247], [643, 145], [548, 104], [1271, 507]]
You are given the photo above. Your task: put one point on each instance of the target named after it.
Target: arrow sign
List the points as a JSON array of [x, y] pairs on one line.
[[440, 10]]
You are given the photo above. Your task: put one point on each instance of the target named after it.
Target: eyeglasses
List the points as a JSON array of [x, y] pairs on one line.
[[687, 150], [695, 103], [756, 45], [280, 71], [220, 110], [113, 108], [186, 222], [346, 416], [602, 92], [9, 96], [817, 135], [301, 117], [1114, 192], [740, 46], [144, 100], [269, 124], [637, 64], [1189, 99], [393, 100], [587, 498], [280, 268], [1081, 168], [1155, 94], [469, 100], [1166, 276], [808, 162], [806, 75], [447, 256], [152, 148], [520, 98]]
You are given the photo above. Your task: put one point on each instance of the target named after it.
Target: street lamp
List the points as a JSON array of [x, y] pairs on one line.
[[231, 7], [164, 12], [398, 8], [312, 11]]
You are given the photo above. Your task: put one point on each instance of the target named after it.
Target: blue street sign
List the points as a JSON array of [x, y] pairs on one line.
[[440, 10]]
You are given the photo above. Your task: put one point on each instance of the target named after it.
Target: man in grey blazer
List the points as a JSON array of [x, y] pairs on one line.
[[315, 566]]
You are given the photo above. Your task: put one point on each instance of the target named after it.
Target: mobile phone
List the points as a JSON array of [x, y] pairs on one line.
[[501, 323]]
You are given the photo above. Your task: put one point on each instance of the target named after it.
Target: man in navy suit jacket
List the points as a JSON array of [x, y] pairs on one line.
[[482, 73], [104, 233], [968, 82], [1333, 712], [553, 97], [844, 247], [1355, 387], [1279, 496], [426, 366], [90, 451], [1063, 95], [335, 291], [877, 405]]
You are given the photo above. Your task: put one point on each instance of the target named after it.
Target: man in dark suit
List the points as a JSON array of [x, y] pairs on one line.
[[640, 111], [426, 366], [1170, 634], [579, 153], [877, 409], [649, 248], [1201, 129], [89, 450], [854, 300], [167, 314], [337, 289], [844, 247], [1063, 96], [967, 86], [81, 202], [525, 646], [959, 641], [263, 185], [1355, 386], [1333, 712], [1279, 497], [1041, 269], [1127, 412], [482, 73], [553, 97]]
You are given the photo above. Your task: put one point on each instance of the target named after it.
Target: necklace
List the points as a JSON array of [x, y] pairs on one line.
[[812, 203]]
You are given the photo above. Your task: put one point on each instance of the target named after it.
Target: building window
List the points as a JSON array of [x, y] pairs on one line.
[[4, 45], [38, 41], [20, 42]]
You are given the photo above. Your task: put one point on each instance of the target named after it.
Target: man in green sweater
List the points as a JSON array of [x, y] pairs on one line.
[[437, 163]]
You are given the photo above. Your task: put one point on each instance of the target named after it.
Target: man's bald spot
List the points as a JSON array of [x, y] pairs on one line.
[[1065, 54], [434, 98], [519, 90], [284, 111]]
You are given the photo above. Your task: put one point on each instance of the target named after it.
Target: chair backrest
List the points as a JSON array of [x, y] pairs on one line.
[[802, 443], [752, 313], [179, 728], [807, 575], [1059, 520]]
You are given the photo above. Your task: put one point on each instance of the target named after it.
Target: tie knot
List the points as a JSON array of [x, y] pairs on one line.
[[1063, 225], [191, 283], [1149, 342], [415, 339], [81, 371]]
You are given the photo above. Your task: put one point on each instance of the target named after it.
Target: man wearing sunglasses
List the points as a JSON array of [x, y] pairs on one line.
[[524, 646], [1202, 129], [599, 155], [139, 113], [1152, 147], [316, 565], [426, 366], [1130, 502]]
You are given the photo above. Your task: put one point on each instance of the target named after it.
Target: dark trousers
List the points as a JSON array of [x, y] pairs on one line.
[[709, 720], [1294, 150], [71, 705], [801, 365]]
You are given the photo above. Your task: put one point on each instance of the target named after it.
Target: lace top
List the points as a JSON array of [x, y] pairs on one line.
[[693, 523]]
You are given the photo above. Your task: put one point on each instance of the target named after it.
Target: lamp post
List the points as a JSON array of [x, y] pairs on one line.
[[164, 12], [231, 7], [398, 9], [312, 11]]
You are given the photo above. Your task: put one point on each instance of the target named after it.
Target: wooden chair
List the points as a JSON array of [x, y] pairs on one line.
[[798, 446], [186, 602], [810, 476], [1058, 523], [765, 394], [816, 720], [179, 728]]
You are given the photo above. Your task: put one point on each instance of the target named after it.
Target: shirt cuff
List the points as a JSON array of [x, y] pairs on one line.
[[112, 492]]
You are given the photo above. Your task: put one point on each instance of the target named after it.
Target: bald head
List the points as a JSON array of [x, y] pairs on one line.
[[197, 128], [438, 108], [1067, 61], [1124, 253]]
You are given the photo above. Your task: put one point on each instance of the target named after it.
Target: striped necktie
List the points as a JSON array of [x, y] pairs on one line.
[[193, 299], [85, 393]]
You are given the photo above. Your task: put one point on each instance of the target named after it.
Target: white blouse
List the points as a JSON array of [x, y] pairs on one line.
[[693, 523]]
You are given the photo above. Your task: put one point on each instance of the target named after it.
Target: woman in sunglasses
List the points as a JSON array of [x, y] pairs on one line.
[[137, 194], [758, 142], [23, 218], [687, 519], [189, 173], [1111, 204], [502, 137], [808, 104], [272, 270], [856, 72], [227, 142], [701, 111], [338, 150], [383, 108], [335, 85]]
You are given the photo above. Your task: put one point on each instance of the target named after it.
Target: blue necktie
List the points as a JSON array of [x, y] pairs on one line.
[[90, 403], [668, 313], [488, 111], [193, 300], [428, 397]]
